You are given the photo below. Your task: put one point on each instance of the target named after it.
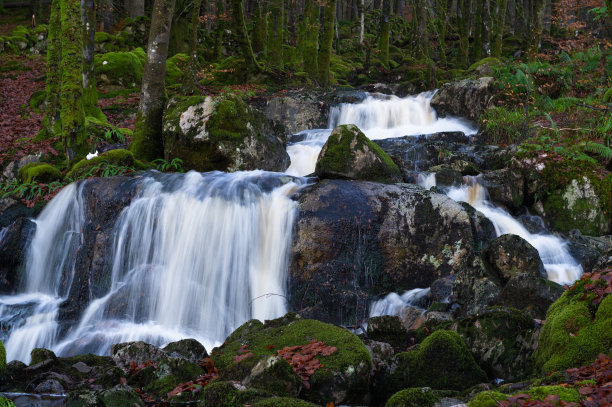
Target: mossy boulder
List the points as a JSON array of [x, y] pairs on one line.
[[39, 172], [120, 395], [174, 69], [119, 157], [442, 361], [349, 154], [415, 397], [577, 329], [122, 69], [485, 66], [283, 402], [491, 398], [343, 376], [228, 394], [276, 375], [511, 254], [2, 358], [577, 206], [221, 133]]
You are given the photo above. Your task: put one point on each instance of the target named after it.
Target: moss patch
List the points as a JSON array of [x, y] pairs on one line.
[[2, 358], [419, 397], [119, 157], [39, 172], [283, 402]]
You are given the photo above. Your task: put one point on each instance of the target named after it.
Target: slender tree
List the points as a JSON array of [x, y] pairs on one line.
[[51, 124], [539, 8], [464, 11], [90, 93], [384, 32], [259, 33], [498, 20], [478, 30], [275, 34], [327, 40], [190, 84], [441, 22], [243, 37], [310, 55], [147, 143]]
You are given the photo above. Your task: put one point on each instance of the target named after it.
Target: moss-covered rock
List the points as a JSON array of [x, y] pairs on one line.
[[119, 157], [415, 397], [120, 68], [276, 376], [39, 172], [228, 394], [174, 69], [493, 398], [221, 133], [121, 395], [349, 154], [575, 331], [511, 254], [485, 66], [283, 402], [39, 355], [2, 358], [345, 373]]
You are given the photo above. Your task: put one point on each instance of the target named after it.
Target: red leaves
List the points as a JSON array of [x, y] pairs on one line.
[[134, 367], [594, 286], [302, 358], [245, 353], [195, 386]]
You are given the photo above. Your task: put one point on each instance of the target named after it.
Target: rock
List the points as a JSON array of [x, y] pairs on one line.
[[349, 154], [530, 294], [511, 255], [40, 355], [345, 376], [14, 239], [485, 66], [445, 176], [415, 397], [227, 393], [283, 402], [465, 98], [124, 354], [275, 375], [586, 250], [83, 398], [121, 395], [39, 173], [188, 349], [221, 134], [120, 69], [412, 318], [577, 207], [354, 240], [119, 157], [380, 352], [82, 367], [576, 330], [169, 373], [433, 318], [296, 114], [505, 187], [502, 340], [442, 289], [390, 329], [12, 169], [475, 287], [49, 387]]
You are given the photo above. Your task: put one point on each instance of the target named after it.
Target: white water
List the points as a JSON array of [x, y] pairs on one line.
[[194, 255], [560, 266], [393, 303], [379, 117]]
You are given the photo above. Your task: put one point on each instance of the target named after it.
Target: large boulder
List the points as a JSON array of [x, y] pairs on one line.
[[297, 113], [466, 98], [332, 363], [511, 255], [355, 239], [221, 133], [349, 154], [505, 186]]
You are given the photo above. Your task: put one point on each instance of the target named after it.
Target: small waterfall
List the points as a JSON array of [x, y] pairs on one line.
[[393, 303], [560, 266], [194, 255], [379, 117]]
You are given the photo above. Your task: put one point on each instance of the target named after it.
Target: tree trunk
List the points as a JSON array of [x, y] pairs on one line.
[[478, 30], [275, 34], [71, 94], [136, 8], [259, 33], [361, 20], [498, 25], [148, 143], [90, 93], [327, 40], [383, 39], [218, 50], [106, 11], [536, 27], [422, 33], [51, 122], [464, 32], [191, 80], [441, 22], [609, 6], [311, 39], [243, 37]]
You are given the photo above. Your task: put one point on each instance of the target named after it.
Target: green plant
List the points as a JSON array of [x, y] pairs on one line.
[[592, 147], [105, 169], [4, 402], [114, 135], [176, 165]]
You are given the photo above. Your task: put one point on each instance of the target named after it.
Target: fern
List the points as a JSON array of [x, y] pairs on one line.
[[552, 123], [599, 149]]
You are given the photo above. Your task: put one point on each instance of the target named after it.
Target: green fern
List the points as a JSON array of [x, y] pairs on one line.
[[596, 148]]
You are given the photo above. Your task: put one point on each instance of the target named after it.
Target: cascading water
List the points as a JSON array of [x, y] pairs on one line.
[[393, 303], [194, 255], [379, 117]]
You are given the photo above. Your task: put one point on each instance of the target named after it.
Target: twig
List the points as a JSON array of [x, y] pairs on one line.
[[603, 109]]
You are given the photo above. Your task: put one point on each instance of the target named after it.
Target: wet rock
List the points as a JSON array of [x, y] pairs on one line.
[[390, 329], [275, 375], [82, 367], [221, 134], [189, 349], [120, 395], [421, 397], [529, 293], [354, 240], [349, 154], [511, 255], [40, 355], [465, 98], [446, 177], [124, 354], [296, 114], [14, 239], [505, 187], [502, 340], [475, 287], [412, 318], [49, 387], [442, 289]]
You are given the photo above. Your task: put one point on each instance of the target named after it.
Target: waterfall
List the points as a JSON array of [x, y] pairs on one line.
[[393, 303], [193, 255], [379, 117]]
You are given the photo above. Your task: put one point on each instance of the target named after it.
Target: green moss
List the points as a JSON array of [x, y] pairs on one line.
[[123, 68], [607, 97], [39, 355], [572, 335], [283, 402], [489, 61], [487, 399], [2, 358], [119, 157], [37, 100], [564, 393], [416, 397], [226, 394], [39, 172], [502, 126], [174, 69]]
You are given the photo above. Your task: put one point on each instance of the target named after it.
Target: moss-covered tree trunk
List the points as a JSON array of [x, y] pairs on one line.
[[310, 52], [464, 18], [243, 37], [498, 25], [361, 10], [327, 40], [440, 26], [219, 29], [90, 93], [478, 30], [384, 30], [275, 34], [72, 113], [420, 12], [51, 124], [107, 14], [609, 6], [190, 84], [147, 143], [259, 32], [536, 27]]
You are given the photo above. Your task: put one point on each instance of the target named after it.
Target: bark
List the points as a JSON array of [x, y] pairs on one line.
[[383, 39], [441, 22], [498, 24], [311, 40], [536, 27], [190, 85], [147, 143], [243, 37], [327, 40], [106, 11], [478, 30], [219, 30], [259, 33], [609, 6], [71, 95], [275, 34], [422, 33], [51, 121], [361, 20], [136, 8], [464, 32], [90, 93]]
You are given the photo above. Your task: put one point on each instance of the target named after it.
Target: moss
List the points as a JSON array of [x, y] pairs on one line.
[[121, 68], [283, 402], [607, 97], [489, 61], [415, 397], [2, 358], [572, 335], [564, 393], [119, 157], [39, 172], [121, 396], [37, 100], [39, 355], [487, 399], [174, 69], [227, 394], [442, 361]]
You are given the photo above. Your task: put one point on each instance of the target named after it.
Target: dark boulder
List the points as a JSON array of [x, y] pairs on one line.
[[465, 98], [511, 255]]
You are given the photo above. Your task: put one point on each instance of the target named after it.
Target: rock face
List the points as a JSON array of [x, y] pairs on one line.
[[505, 186], [222, 134], [465, 98], [511, 255], [296, 114], [357, 239], [349, 154]]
